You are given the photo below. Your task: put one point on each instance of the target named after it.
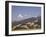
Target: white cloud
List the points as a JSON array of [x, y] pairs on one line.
[[20, 16]]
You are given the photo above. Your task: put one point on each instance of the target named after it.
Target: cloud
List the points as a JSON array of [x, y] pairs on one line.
[[20, 16]]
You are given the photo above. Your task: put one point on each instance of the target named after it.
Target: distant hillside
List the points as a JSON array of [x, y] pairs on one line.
[[27, 20]]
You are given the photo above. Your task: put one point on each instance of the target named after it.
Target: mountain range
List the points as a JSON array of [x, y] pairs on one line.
[[27, 20]]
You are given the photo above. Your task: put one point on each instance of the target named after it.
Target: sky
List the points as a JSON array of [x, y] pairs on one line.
[[24, 12]]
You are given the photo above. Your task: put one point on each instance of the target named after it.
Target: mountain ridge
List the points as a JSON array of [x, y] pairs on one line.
[[27, 20]]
